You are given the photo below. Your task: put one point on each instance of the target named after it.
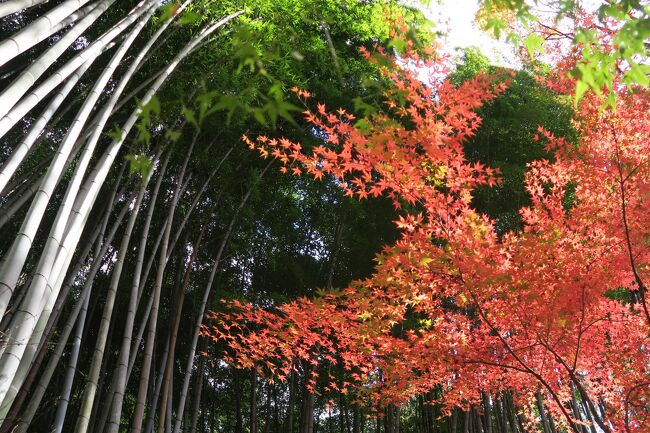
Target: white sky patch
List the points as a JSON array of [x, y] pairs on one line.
[[457, 18]]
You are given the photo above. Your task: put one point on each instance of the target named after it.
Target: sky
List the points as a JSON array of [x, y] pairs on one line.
[[459, 16]]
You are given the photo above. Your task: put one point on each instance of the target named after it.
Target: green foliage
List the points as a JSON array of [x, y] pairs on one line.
[[622, 294], [598, 66], [167, 11], [278, 45], [148, 113], [506, 137], [189, 18], [140, 164]]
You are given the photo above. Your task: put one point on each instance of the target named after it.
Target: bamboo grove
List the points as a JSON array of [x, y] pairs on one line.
[[130, 206]]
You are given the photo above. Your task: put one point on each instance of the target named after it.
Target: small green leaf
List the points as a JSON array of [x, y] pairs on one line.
[[189, 116], [140, 164], [189, 17], [360, 106], [115, 134], [533, 43], [172, 135], [258, 114], [581, 88], [363, 126], [168, 11], [399, 44], [637, 74]]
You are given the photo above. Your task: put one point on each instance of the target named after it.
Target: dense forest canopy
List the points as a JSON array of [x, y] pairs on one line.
[[316, 216]]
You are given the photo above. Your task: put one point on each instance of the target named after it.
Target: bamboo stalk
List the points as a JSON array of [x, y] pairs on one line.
[[41, 28], [58, 251], [10, 7]]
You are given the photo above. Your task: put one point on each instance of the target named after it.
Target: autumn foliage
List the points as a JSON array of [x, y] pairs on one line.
[[558, 308]]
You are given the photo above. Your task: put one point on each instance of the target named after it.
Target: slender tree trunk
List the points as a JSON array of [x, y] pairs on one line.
[[253, 403], [37, 394], [10, 208], [307, 422], [204, 301], [510, 412], [64, 399], [95, 237], [57, 252], [174, 331], [292, 401], [542, 412], [125, 362], [17, 103], [170, 403], [577, 413], [49, 23], [156, 391], [454, 420], [11, 7], [153, 318], [25, 146], [121, 371], [592, 424], [487, 404], [196, 400], [239, 421], [83, 418]]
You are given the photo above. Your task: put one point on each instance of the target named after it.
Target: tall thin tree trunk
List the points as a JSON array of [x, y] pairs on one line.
[[11, 7], [156, 391], [307, 416], [542, 412], [153, 318], [18, 103], [170, 403], [95, 237], [204, 301], [488, 412], [88, 398], [239, 421], [25, 146], [64, 399], [121, 370], [253, 403], [454, 420], [37, 394], [58, 250], [196, 399], [292, 401], [174, 331], [39, 29]]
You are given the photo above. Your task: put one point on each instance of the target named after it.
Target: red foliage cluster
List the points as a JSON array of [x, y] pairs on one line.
[[452, 304]]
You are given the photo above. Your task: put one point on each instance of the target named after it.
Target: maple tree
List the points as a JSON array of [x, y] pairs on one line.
[[558, 308]]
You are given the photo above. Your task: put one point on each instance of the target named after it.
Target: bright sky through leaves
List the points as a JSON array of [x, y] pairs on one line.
[[457, 20]]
